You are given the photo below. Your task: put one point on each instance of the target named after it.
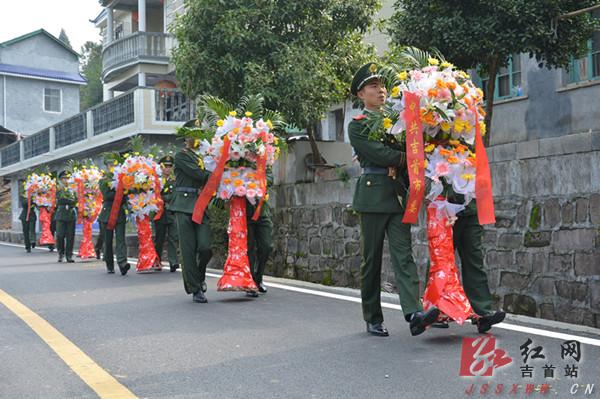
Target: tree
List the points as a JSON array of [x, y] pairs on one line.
[[300, 55], [484, 33], [91, 69], [64, 38]]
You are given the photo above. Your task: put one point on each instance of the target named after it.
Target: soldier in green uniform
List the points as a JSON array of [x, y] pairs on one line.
[[260, 240], [66, 216], [99, 246], [28, 225], [165, 227], [108, 196], [377, 201], [196, 241]]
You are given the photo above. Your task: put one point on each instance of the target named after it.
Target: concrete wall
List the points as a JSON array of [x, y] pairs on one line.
[[25, 104], [548, 108], [40, 52]]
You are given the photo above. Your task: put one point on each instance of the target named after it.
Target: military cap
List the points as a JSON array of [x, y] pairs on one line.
[[365, 74], [167, 160]]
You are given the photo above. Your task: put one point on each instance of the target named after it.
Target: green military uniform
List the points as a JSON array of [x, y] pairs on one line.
[[467, 234], [66, 217], [379, 199], [108, 195], [166, 227], [99, 246], [195, 245], [260, 241], [28, 225], [260, 238]]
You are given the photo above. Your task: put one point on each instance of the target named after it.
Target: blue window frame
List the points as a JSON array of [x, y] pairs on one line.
[[588, 66], [508, 80]]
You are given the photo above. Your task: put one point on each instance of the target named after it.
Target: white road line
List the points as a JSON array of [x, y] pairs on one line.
[[505, 326]]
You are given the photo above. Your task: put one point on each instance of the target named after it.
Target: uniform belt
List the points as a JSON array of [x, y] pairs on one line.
[[67, 207], [374, 170], [187, 189]]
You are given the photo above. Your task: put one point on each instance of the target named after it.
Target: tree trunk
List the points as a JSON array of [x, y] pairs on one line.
[[310, 130], [491, 87]]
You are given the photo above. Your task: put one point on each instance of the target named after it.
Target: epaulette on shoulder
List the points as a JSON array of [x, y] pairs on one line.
[[359, 117]]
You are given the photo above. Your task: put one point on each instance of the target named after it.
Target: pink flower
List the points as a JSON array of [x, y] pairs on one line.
[[251, 193], [416, 75], [224, 195], [442, 168], [240, 191]]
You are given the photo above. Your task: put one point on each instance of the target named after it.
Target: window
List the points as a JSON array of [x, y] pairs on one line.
[[52, 100], [508, 80], [587, 67]]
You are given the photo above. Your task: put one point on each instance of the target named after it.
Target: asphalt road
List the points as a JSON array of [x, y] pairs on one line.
[[150, 336]]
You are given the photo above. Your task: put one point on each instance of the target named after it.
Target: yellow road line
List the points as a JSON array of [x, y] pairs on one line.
[[104, 384]]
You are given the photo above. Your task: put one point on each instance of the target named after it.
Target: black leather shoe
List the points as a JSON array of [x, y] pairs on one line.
[[420, 320], [28, 250], [174, 267], [252, 294], [199, 297], [440, 324], [51, 248], [485, 323], [60, 258], [33, 245], [261, 288], [377, 329], [204, 288], [110, 271], [97, 254], [124, 269], [70, 260]]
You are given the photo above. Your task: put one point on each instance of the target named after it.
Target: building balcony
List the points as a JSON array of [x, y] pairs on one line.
[[139, 111], [137, 48]]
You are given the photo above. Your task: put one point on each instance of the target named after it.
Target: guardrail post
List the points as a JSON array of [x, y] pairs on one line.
[[89, 119], [51, 140]]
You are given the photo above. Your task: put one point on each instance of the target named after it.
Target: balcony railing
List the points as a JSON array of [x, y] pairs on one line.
[[138, 111], [138, 47]]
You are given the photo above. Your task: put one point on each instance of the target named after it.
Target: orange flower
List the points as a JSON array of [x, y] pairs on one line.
[[234, 174], [251, 185], [445, 152], [432, 93], [451, 85], [128, 181], [461, 148], [440, 83], [238, 182], [427, 117], [226, 181], [247, 129], [452, 159]]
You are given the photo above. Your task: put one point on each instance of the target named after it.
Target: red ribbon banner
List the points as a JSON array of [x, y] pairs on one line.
[[161, 202], [483, 179], [80, 201], [116, 206], [415, 156], [212, 184]]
